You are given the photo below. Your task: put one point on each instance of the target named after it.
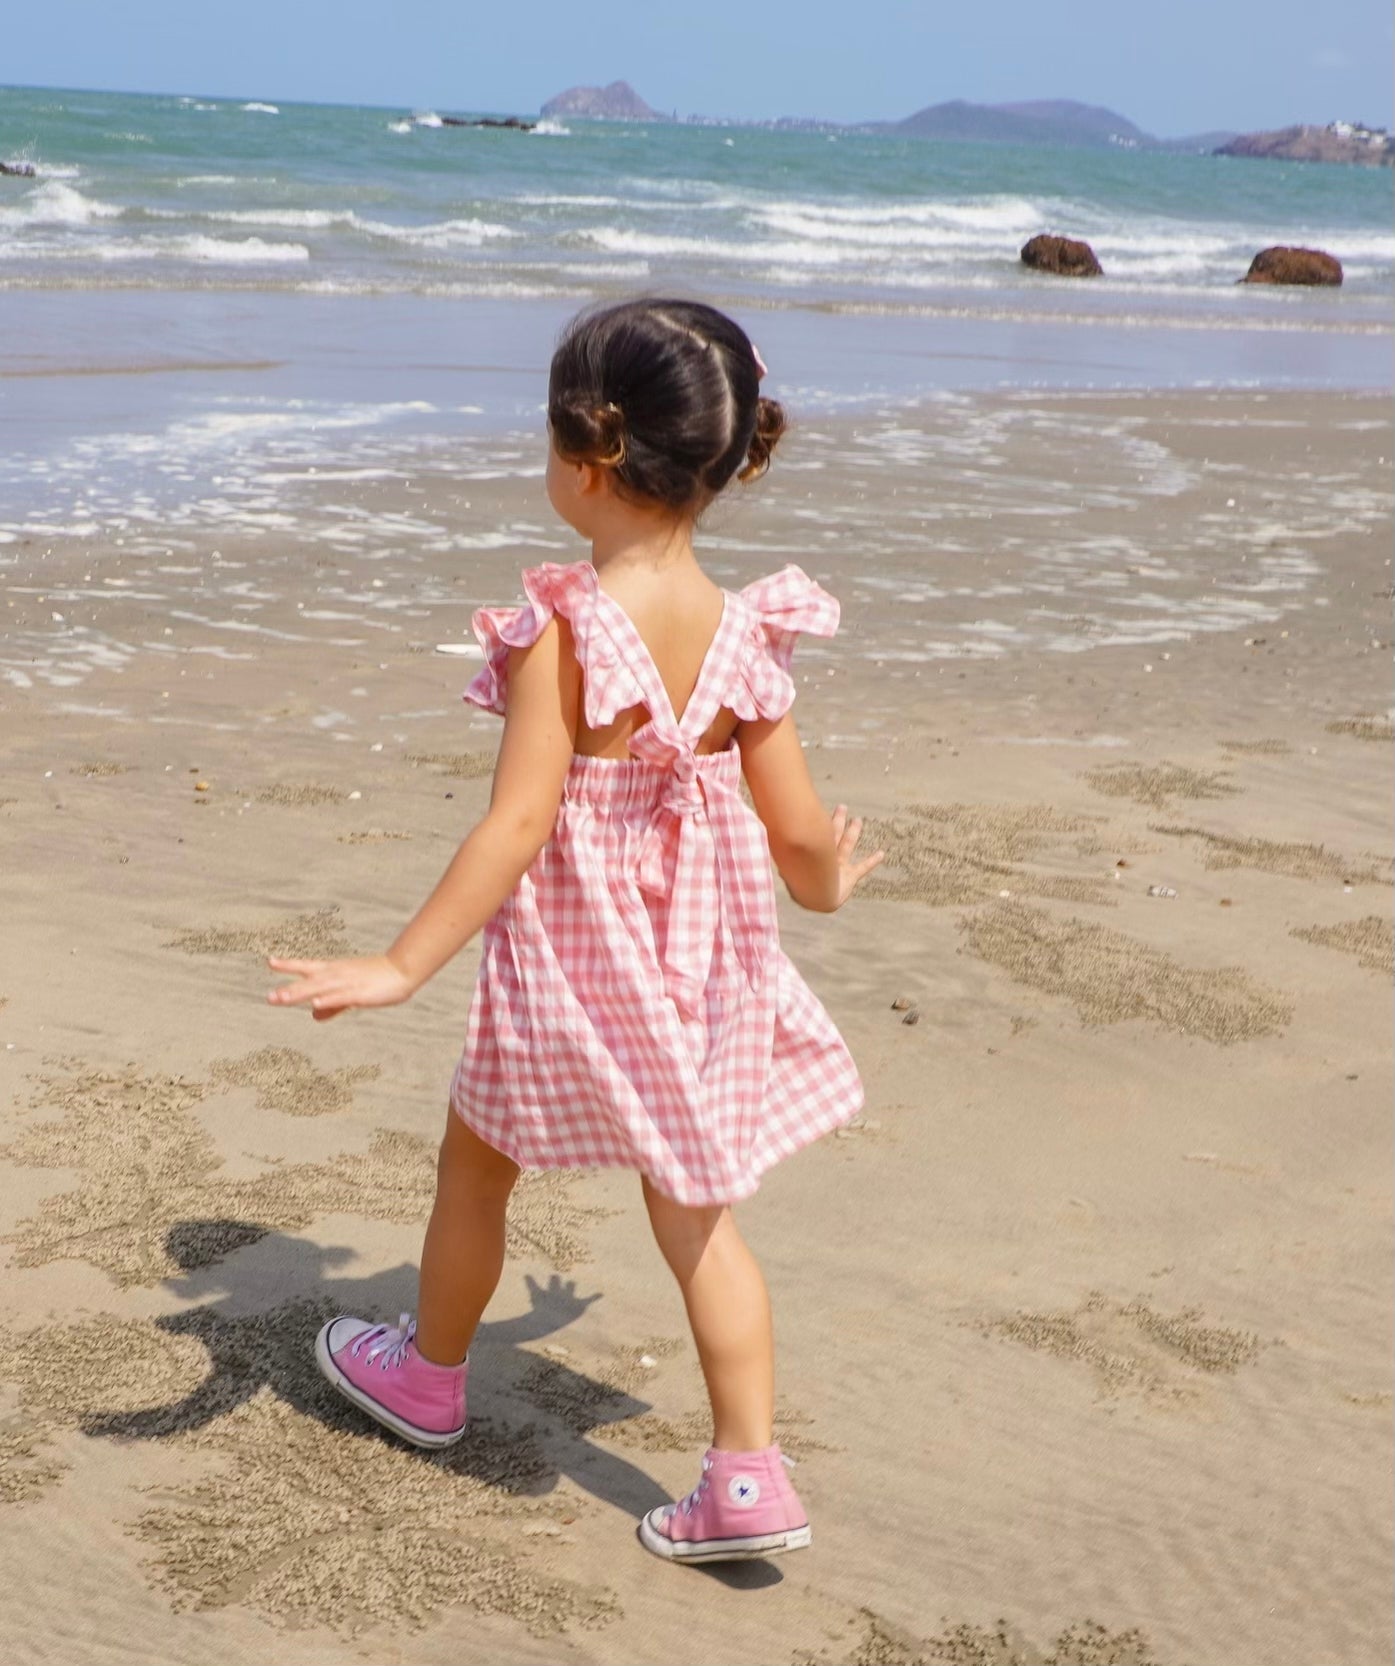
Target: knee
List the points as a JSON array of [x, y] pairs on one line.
[[682, 1232], [466, 1163]]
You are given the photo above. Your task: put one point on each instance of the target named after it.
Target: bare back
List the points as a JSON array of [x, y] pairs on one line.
[[677, 619]]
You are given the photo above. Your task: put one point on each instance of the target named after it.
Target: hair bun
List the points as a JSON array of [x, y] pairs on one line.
[[770, 425], [588, 433]]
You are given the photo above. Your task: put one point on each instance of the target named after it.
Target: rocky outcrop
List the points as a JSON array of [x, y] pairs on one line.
[[1066, 256], [1339, 141], [617, 102], [17, 170], [514, 122], [1282, 264]]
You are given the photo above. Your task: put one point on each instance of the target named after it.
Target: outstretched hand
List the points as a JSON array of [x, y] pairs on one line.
[[329, 987], [851, 872]]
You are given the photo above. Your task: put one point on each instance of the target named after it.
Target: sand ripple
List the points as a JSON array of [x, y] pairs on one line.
[[1110, 977]]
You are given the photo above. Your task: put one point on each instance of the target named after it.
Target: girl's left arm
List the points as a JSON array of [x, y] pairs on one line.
[[540, 722]]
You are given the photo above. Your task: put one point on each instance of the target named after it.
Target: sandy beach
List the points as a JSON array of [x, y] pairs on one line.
[[1085, 1325]]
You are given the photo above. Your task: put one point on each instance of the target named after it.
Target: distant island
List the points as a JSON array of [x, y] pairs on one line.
[[617, 102], [1054, 121], [1044, 122], [1339, 141], [1041, 122]]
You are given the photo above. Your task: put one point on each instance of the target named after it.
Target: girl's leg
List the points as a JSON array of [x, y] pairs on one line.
[[463, 1255], [729, 1311]]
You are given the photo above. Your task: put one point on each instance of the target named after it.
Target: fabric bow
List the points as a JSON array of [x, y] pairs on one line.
[[678, 859]]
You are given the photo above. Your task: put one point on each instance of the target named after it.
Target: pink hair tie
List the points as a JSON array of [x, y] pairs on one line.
[[761, 367]]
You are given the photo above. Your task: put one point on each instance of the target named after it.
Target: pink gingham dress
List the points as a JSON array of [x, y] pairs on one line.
[[634, 1008]]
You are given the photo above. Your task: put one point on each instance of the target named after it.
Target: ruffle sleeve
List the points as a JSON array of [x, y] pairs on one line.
[[550, 589], [782, 607]]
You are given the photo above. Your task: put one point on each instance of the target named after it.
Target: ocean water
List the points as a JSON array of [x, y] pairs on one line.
[[187, 192], [193, 285]]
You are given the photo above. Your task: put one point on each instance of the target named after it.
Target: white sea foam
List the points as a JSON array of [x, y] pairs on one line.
[[434, 234], [547, 199], [48, 170], [55, 204], [427, 118], [549, 129], [399, 127], [257, 108], [199, 250]]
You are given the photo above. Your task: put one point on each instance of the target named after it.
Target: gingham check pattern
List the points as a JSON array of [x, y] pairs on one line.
[[634, 1008]]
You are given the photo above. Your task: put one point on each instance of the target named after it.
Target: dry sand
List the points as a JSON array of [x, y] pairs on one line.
[[1085, 1325]]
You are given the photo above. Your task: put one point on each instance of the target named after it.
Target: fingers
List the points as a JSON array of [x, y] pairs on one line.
[[316, 989], [849, 834], [301, 968]]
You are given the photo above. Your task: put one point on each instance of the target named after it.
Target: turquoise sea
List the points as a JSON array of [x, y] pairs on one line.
[[188, 193], [225, 268]]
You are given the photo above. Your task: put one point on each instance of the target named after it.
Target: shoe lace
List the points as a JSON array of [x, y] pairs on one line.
[[695, 1497], [387, 1341]]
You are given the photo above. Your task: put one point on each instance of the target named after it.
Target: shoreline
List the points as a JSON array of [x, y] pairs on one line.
[[181, 391]]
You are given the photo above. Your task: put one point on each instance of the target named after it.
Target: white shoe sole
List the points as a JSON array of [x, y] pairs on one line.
[[429, 1438], [723, 1550]]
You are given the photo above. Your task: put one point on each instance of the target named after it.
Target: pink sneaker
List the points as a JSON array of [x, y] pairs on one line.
[[380, 1370], [743, 1506]]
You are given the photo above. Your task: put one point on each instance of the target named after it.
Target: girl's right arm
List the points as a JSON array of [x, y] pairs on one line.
[[544, 702], [815, 854]]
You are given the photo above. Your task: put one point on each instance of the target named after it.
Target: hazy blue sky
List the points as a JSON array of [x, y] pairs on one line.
[[1177, 67]]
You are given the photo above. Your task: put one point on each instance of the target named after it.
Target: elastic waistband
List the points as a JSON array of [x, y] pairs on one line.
[[635, 783]]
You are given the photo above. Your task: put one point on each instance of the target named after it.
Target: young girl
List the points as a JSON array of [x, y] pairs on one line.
[[634, 1009]]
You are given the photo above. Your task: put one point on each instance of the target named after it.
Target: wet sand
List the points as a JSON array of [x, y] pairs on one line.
[[1085, 1323]]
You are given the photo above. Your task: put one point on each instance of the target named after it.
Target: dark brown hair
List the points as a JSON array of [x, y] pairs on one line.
[[665, 393]]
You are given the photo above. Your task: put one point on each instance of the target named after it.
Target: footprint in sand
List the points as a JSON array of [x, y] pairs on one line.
[[1369, 726], [301, 795], [876, 1642], [286, 1080], [1292, 859], [1371, 940], [1156, 784], [1257, 748], [315, 936], [458, 766], [1110, 977], [145, 1164], [951, 854], [1130, 1346]]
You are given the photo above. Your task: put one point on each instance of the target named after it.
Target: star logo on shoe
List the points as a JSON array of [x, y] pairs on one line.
[[743, 1490]]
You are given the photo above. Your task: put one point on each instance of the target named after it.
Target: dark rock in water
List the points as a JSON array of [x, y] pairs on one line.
[[513, 122], [17, 170], [617, 102], [1282, 264], [1066, 256]]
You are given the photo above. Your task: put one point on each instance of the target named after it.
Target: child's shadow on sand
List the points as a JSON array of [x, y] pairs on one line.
[[274, 1348]]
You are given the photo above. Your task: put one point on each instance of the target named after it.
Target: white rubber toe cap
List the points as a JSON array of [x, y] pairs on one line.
[[338, 1333]]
